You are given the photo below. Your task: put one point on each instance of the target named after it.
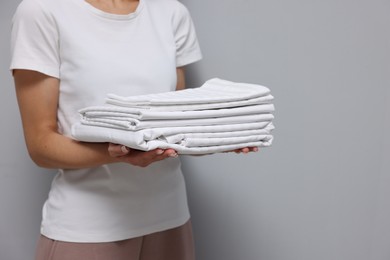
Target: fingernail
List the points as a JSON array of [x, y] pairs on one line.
[[124, 149], [159, 151], [255, 149], [174, 155]]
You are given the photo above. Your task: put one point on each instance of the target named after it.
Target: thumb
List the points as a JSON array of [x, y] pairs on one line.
[[117, 150]]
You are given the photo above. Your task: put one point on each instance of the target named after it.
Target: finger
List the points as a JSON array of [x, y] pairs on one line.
[[245, 150], [140, 158], [158, 154], [146, 154], [143, 159], [163, 154], [116, 150], [249, 149], [171, 153], [124, 149]]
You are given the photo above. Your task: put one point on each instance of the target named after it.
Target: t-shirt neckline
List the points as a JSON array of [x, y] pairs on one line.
[[112, 16]]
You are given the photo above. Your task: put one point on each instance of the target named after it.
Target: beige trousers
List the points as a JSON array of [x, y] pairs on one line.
[[172, 244]]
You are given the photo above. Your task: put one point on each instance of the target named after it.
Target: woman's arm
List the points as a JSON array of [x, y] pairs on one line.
[[37, 96], [181, 80]]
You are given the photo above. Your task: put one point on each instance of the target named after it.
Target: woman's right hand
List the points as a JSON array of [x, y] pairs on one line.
[[137, 157]]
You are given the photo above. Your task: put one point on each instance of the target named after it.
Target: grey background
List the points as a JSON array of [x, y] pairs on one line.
[[320, 193]]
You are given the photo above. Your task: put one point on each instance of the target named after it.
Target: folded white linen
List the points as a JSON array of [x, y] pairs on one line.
[[135, 124], [212, 91], [187, 107], [216, 117], [154, 133], [171, 134], [225, 130], [177, 138], [218, 141], [111, 112], [183, 150], [138, 140]]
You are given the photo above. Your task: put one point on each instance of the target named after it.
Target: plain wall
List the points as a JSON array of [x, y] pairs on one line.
[[320, 193]]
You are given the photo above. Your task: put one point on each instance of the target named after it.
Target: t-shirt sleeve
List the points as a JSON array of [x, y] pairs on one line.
[[187, 46], [34, 40]]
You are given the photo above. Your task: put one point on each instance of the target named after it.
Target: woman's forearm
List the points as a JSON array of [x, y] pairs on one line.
[[53, 150], [38, 96]]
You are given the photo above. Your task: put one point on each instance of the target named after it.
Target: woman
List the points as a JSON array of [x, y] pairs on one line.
[[104, 202]]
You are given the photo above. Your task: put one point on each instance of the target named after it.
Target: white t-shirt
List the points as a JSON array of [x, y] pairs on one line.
[[94, 53]]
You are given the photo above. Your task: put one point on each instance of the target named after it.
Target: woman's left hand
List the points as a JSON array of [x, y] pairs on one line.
[[246, 150], [121, 150]]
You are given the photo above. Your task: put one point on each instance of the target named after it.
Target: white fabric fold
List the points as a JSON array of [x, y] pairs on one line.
[[194, 107], [135, 124], [220, 141], [184, 145], [216, 117], [176, 134], [165, 132], [91, 113], [176, 138], [212, 91]]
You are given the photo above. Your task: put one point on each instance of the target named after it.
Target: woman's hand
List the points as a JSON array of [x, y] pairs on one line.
[[137, 157], [246, 150]]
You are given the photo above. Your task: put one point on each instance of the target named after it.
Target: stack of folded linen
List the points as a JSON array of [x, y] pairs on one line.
[[216, 117]]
